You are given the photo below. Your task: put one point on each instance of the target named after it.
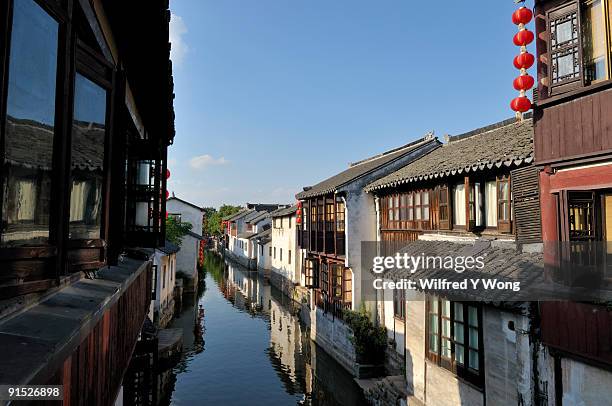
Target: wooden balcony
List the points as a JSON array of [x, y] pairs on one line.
[[81, 336]]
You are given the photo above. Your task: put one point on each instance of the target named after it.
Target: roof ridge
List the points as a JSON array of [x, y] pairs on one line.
[[488, 128], [428, 137]]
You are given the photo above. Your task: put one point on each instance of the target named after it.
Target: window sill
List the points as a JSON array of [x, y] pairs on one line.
[[573, 94]]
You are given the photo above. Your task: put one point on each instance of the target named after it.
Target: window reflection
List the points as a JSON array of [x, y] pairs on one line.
[[29, 126], [88, 139]]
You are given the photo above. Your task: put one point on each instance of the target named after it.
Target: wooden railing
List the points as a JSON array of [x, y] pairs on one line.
[[93, 373]]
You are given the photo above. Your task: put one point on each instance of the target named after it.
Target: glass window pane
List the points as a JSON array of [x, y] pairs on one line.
[[473, 337], [446, 348], [410, 214], [446, 328], [88, 139], [425, 213], [417, 199], [473, 361], [458, 311], [473, 316], [410, 199], [446, 306], [433, 324], [433, 343], [417, 212], [425, 198], [459, 354], [29, 126], [458, 334], [594, 40]]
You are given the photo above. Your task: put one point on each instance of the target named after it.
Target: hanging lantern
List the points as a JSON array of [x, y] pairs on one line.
[[167, 195], [520, 104], [167, 173], [524, 61], [522, 16], [523, 38], [298, 220], [166, 215], [299, 204], [524, 82]]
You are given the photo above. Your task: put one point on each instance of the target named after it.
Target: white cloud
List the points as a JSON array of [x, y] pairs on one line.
[[202, 161], [179, 48]]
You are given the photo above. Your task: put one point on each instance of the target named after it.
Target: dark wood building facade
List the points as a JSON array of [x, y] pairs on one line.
[[463, 187], [573, 145], [86, 116]]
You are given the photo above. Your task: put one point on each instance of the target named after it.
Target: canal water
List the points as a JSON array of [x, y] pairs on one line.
[[243, 344]]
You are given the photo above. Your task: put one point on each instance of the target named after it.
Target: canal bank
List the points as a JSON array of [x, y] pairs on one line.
[[247, 346]]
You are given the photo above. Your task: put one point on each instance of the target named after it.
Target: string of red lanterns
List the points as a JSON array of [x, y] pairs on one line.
[[521, 17], [298, 213]]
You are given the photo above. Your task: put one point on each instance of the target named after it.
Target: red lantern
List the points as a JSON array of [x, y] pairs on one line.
[[524, 82], [524, 61], [167, 173], [298, 220], [166, 215], [299, 204], [523, 38], [522, 16], [167, 195], [520, 104]]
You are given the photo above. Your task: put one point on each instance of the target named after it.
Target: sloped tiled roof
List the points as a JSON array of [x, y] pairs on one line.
[[502, 262], [263, 233], [260, 217], [508, 143], [186, 202], [361, 168], [284, 212], [236, 216]]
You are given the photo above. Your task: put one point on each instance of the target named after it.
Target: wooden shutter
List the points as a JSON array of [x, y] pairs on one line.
[[504, 204], [526, 203], [564, 48], [444, 208]]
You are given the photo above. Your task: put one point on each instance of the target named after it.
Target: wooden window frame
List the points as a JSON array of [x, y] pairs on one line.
[[555, 17], [460, 370]]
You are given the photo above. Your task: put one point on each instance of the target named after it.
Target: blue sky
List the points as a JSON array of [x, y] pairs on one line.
[[274, 95]]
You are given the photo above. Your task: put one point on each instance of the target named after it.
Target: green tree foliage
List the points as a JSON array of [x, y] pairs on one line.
[[208, 212], [369, 339], [175, 230], [213, 222]]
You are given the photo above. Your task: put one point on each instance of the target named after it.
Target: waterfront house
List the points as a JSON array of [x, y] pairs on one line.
[[285, 268], [164, 283], [261, 240], [187, 258], [241, 227], [464, 198], [86, 116], [573, 149], [337, 215]]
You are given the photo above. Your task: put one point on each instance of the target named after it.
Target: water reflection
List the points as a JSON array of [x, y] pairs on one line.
[[256, 351]]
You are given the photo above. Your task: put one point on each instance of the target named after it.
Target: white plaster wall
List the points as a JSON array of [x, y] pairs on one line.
[[187, 257], [188, 214], [285, 238]]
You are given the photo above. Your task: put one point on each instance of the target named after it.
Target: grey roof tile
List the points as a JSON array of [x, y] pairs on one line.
[[508, 143], [361, 168]]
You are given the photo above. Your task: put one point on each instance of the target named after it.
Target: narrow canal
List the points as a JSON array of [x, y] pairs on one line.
[[244, 345]]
